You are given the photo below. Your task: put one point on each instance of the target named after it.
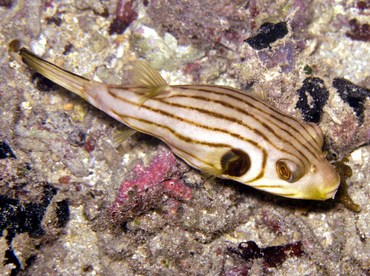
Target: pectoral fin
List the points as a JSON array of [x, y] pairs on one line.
[[122, 135], [231, 162], [235, 162]]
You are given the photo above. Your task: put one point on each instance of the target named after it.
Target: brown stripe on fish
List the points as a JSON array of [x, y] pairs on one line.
[[252, 103], [267, 110], [316, 134], [228, 90], [190, 122], [305, 126], [125, 118], [234, 120]]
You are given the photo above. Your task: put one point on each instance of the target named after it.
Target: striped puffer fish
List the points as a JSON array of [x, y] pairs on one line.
[[216, 129]]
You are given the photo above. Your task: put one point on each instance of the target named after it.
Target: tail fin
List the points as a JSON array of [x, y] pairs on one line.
[[66, 79]]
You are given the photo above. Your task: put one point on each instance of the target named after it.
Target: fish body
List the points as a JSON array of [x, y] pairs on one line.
[[216, 129]]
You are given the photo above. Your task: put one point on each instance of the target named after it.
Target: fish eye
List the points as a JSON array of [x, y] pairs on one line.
[[287, 170]]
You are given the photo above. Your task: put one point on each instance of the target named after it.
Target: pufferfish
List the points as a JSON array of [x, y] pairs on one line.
[[219, 130]]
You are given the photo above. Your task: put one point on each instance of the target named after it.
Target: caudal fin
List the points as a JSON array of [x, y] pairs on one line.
[[66, 79]]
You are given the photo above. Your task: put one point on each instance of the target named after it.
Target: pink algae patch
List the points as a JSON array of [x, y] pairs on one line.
[[149, 185]]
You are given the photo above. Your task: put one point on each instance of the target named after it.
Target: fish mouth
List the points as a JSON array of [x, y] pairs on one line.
[[331, 194]]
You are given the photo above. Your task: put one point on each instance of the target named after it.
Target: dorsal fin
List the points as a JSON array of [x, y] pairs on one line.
[[148, 81]]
